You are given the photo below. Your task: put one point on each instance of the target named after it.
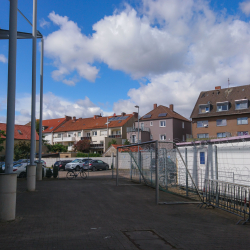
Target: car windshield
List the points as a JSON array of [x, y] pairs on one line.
[[76, 160]]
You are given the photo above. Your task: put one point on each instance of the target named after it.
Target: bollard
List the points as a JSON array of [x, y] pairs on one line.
[[31, 177], [39, 171], [8, 184]]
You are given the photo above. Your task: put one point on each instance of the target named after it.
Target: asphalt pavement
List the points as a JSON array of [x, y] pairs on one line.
[[95, 214]]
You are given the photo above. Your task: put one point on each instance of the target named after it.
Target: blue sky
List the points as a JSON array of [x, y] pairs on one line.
[[108, 56]]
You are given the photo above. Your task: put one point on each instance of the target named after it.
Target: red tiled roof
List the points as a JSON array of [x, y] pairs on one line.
[[92, 123], [161, 110], [24, 134], [52, 124]]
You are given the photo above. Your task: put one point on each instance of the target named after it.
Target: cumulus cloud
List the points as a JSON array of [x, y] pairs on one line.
[[43, 23], [3, 59], [181, 47], [54, 107], [245, 7]]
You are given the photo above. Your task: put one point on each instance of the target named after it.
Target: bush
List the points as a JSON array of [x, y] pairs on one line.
[[48, 173], [80, 154], [55, 172]]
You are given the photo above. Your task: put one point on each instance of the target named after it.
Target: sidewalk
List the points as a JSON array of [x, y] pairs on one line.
[[94, 214]]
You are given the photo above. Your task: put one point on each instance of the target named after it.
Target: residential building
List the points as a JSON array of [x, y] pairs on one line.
[[161, 123], [99, 130], [21, 133], [49, 126], [221, 113]]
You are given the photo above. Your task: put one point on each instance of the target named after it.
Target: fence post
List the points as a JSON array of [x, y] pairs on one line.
[[216, 174], [186, 172], [151, 165], [131, 167], [112, 164], [156, 174], [139, 163], [117, 150]]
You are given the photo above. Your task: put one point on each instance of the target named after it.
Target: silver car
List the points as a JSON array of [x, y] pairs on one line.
[[77, 164]]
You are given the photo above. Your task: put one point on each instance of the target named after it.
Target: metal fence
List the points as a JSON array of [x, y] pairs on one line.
[[228, 196], [161, 166]]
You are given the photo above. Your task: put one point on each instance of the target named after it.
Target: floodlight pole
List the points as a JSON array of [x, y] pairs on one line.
[[31, 169], [8, 180], [33, 98], [11, 96], [138, 159], [39, 165]]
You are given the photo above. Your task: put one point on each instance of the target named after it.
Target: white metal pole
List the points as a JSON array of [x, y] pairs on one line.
[[33, 100], [11, 96]]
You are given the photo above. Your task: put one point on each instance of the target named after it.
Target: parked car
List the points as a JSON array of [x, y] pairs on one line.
[[77, 164], [15, 167], [61, 164], [42, 161], [86, 164], [97, 165]]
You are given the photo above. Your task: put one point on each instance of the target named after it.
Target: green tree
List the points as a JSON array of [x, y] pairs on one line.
[[2, 139], [113, 141], [82, 145], [21, 150], [57, 148], [126, 142]]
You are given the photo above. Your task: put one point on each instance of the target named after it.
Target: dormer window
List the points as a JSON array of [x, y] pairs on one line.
[[241, 104], [222, 106], [204, 108]]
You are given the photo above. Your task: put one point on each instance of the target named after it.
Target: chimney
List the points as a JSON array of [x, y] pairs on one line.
[[171, 106], [95, 116], [68, 118], [74, 118], [123, 113], [218, 87], [155, 105], [135, 114]]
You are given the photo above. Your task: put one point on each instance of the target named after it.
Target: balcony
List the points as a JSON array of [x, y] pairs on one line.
[[86, 138], [97, 145], [115, 136], [64, 139], [131, 129]]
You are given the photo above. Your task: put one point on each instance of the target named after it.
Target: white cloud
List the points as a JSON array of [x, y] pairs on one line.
[[54, 107], [43, 23], [181, 46], [3, 59], [245, 7]]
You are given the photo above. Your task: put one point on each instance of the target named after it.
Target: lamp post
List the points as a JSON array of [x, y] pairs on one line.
[[138, 143]]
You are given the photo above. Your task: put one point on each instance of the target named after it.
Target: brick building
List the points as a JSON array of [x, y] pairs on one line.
[[221, 113]]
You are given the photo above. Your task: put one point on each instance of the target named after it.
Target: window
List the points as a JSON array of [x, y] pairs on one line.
[[94, 133], [70, 134], [162, 123], [88, 134], [221, 122], [151, 137], [162, 137], [142, 126], [101, 142], [202, 157], [223, 134], [204, 108], [242, 133], [242, 120], [59, 135], [183, 124], [241, 104], [79, 134], [201, 124], [133, 138], [222, 106], [202, 135], [151, 123], [103, 132]]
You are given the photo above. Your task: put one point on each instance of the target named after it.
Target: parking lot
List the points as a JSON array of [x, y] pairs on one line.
[[94, 213]]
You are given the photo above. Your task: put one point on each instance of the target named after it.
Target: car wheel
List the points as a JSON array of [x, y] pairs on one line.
[[22, 175], [93, 169], [77, 168]]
